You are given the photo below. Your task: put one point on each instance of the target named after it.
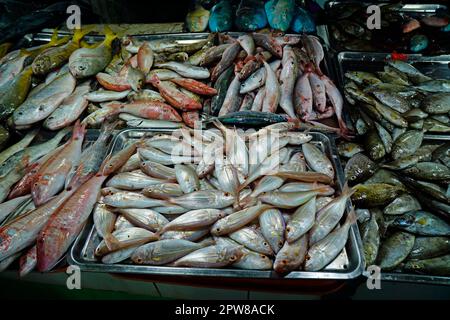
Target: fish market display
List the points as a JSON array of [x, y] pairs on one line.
[[402, 30], [249, 15], [216, 198], [51, 193], [399, 175]]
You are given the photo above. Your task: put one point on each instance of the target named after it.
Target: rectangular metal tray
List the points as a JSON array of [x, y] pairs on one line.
[[348, 265], [434, 66], [412, 9]]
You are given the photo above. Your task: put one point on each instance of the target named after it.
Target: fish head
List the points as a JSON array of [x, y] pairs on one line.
[[404, 221], [41, 65], [81, 68]]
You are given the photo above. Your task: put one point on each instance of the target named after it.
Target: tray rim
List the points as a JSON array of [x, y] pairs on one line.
[[354, 237]]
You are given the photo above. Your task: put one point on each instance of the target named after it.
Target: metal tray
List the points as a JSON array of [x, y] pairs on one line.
[[348, 265], [414, 10], [434, 66]]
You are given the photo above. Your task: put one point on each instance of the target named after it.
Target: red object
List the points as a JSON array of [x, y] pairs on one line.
[[399, 56]]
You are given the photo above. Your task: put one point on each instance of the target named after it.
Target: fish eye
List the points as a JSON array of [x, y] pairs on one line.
[[265, 244], [232, 258], [139, 260]]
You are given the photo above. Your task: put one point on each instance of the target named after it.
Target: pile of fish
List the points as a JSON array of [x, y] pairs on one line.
[[261, 200], [63, 183], [248, 15], [400, 31], [389, 102], [402, 178]]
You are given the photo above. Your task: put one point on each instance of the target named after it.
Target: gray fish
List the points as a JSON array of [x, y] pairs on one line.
[[402, 204], [415, 75], [385, 137], [395, 249], [211, 257], [301, 221], [163, 251], [422, 223], [429, 247], [428, 171], [317, 160], [435, 86], [436, 103], [370, 237], [272, 227], [144, 218], [407, 144], [436, 266], [194, 220]]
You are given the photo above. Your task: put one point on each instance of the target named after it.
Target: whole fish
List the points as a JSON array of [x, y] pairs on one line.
[[306, 177], [204, 199], [438, 103], [318, 161], [93, 156], [195, 86], [51, 177], [55, 57], [145, 58], [428, 171], [272, 91], [144, 218], [86, 62], [237, 220], [231, 100], [258, 78], [14, 93], [314, 50], [70, 109], [407, 144], [303, 97], [226, 60], [106, 95], [194, 220], [185, 235], [395, 249], [11, 68], [289, 200], [251, 239], [211, 257], [370, 237], [133, 181], [291, 256], [104, 222], [422, 223], [126, 199], [429, 247], [272, 227], [329, 216], [157, 170], [401, 205], [221, 85], [436, 266], [43, 103], [227, 175], [126, 238], [185, 70], [326, 250], [288, 76], [119, 255], [375, 194], [174, 96], [73, 213], [187, 178], [164, 251]]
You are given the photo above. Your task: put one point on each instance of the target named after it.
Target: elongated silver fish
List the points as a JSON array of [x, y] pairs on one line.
[[193, 220], [301, 221], [252, 239]]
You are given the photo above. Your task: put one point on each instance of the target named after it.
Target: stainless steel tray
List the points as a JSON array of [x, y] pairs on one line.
[[348, 265], [434, 66], [412, 9]]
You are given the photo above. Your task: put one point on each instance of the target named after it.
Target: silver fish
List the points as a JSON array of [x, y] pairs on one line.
[[187, 178], [144, 218], [272, 226], [127, 199], [291, 256], [301, 221], [252, 239], [193, 220], [211, 257], [135, 180], [317, 160]]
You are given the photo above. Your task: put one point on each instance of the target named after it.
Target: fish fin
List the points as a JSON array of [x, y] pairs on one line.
[[80, 33], [104, 163], [347, 191], [111, 242], [351, 217]]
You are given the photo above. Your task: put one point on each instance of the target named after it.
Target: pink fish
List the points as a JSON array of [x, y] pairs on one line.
[[52, 175]]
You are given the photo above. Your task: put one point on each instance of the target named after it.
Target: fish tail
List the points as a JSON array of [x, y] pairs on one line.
[[109, 35], [111, 242], [80, 33], [351, 217], [103, 165], [79, 130]]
